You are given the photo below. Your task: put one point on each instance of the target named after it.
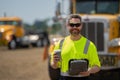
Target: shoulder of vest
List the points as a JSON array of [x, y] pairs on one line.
[[61, 43]]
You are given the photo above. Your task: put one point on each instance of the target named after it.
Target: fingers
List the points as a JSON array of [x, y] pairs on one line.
[[85, 73], [56, 58]]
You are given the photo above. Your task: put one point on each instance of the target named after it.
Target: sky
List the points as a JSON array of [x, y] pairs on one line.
[[30, 10]]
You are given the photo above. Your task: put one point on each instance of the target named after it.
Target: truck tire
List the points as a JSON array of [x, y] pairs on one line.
[[38, 43], [12, 44]]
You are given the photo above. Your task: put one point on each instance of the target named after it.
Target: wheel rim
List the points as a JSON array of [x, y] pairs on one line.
[[45, 42], [13, 44], [38, 43]]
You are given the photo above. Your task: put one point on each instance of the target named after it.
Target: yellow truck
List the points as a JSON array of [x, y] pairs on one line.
[[12, 32], [101, 25]]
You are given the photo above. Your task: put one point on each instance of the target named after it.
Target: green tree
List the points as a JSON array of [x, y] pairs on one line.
[[56, 28]]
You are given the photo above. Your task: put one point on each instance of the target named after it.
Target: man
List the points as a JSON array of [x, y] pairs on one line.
[[73, 48]]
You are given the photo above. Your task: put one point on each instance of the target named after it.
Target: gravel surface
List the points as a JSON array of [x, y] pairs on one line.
[[23, 64]]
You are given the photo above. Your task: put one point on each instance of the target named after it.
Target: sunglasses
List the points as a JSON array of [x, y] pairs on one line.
[[75, 24]]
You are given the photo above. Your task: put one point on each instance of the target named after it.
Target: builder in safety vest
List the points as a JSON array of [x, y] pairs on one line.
[[76, 51]]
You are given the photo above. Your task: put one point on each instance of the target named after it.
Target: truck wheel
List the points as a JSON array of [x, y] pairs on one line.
[[12, 44], [38, 43]]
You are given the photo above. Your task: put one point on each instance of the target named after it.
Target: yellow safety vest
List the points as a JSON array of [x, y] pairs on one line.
[[76, 50]]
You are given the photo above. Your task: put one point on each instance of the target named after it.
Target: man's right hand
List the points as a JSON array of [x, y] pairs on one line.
[[56, 59]]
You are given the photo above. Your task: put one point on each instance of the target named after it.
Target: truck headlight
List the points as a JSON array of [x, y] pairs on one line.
[[2, 30], [115, 42], [8, 38], [119, 43]]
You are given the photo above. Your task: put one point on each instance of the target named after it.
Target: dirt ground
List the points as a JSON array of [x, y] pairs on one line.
[[23, 64]]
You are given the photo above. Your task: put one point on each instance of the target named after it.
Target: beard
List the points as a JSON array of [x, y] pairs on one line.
[[74, 32]]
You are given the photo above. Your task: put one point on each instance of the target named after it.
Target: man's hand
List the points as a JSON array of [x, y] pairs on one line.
[[87, 73], [56, 59], [92, 70]]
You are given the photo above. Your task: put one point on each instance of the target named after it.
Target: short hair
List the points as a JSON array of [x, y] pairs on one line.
[[73, 16]]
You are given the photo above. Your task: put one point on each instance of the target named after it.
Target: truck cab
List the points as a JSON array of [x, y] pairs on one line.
[[101, 25], [11, 32]]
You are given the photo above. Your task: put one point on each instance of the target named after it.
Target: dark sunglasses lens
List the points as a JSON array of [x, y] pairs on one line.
[[76, 25], [72, 25]]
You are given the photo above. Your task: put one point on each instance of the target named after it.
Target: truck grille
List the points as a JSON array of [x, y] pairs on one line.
[[94, 31]]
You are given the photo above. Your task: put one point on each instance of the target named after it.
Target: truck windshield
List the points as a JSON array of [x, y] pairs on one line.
[[97, 6], [14, 23]]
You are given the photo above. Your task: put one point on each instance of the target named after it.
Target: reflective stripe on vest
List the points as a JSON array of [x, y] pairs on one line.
[[61, 43], [86, 46]]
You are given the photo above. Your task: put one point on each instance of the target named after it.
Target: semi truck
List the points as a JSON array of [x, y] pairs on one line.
[[101, 25], [13, 34]]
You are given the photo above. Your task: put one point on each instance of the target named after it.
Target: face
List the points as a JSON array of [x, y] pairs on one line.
[[74, 26]]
